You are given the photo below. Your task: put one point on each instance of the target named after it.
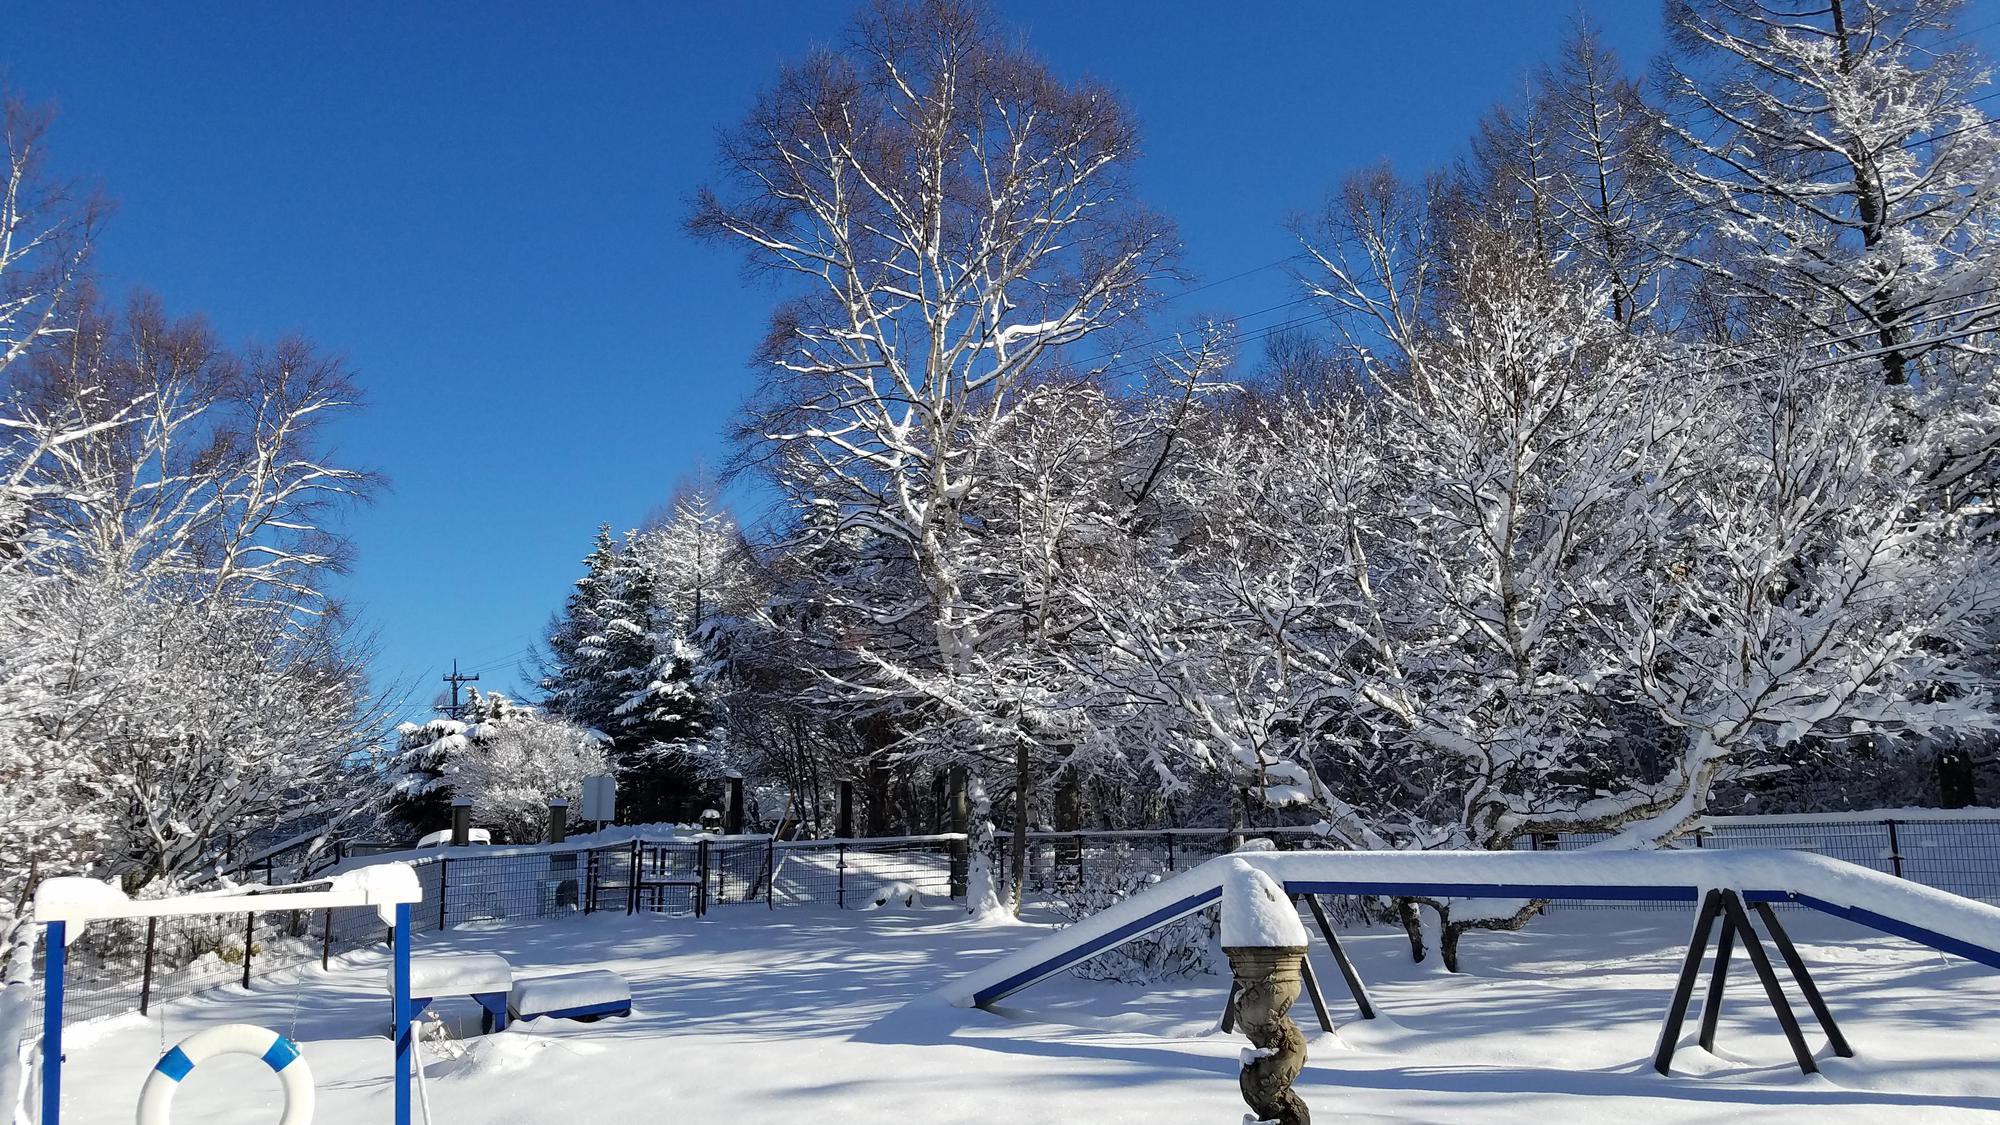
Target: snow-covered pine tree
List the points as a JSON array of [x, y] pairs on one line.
[[620, 663]]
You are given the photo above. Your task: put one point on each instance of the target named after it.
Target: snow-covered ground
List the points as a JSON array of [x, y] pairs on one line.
[[823, 1016]]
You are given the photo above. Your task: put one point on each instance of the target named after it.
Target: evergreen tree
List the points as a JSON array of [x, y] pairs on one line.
[[621, 664]]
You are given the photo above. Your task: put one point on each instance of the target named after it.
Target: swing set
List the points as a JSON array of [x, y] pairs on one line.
[[66, 906]]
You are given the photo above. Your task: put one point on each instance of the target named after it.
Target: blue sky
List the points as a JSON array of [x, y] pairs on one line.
[[480, 206]]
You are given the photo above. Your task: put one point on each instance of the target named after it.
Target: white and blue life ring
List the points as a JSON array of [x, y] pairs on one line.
[[278, 1052]]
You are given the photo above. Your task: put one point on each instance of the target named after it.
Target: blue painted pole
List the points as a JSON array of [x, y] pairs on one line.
[[55, 941], [405, 1044]]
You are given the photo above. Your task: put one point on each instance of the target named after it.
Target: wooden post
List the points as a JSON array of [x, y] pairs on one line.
[[558, 820], [732, 816], [461, 821], [844, 826], [146, 981], [249, 935], [326, 939]]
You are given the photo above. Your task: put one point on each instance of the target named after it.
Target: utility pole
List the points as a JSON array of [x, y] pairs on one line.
[[456, 710]]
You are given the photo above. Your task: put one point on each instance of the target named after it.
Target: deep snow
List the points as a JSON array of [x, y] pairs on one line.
[[821, 1016]]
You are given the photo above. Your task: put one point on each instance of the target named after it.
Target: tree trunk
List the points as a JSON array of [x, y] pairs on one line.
[[1023, 793], [960, 808], [1413, 926], [1068, 818]]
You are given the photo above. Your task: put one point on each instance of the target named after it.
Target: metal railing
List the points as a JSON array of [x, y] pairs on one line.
[[137, 966], [1952, 851]]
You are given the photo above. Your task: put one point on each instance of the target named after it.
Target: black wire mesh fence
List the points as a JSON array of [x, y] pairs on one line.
[[134, 965]]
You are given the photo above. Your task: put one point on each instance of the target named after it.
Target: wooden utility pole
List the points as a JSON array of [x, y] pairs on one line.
[[457, 710]]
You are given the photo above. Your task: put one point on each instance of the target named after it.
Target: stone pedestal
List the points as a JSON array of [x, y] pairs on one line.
[[1268, 980]]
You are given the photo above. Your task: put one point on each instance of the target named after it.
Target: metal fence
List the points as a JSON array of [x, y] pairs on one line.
[[1956, 851], [134, 966]]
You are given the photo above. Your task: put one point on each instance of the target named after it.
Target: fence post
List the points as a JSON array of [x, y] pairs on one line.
[[1170, 850], [249, 935], [633, 858], [840, 879], [326, 939], [701, 877], [1079, 861], [444, 887], [1895, 850], [146, 981], [771, 873]]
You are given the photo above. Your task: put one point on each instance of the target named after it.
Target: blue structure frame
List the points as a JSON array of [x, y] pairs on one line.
[[55, 938], [1208, 896]]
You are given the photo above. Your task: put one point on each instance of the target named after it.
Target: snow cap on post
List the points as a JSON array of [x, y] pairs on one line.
[[382, 885], [1256, 912]]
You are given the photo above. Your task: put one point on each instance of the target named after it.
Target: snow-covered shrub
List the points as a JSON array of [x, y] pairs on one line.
[[1185, 948], [897, 894], [514, 759]]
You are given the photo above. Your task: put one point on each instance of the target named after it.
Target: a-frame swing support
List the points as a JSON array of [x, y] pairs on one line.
[[1312, 990], [1726, 907]]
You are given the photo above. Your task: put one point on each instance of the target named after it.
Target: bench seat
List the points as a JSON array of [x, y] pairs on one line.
[[583, 996]]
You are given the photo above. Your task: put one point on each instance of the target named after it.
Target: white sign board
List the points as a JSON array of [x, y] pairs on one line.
[[600, 798]]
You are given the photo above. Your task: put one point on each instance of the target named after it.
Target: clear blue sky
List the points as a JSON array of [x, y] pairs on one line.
[[480, 206]]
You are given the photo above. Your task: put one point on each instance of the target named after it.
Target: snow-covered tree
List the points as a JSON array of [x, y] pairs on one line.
[[1838, 162], [954, 216], [621, 662], [699, 563], [510, 761]]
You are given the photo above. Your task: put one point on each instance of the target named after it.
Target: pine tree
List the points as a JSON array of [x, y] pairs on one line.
[[622, 665]]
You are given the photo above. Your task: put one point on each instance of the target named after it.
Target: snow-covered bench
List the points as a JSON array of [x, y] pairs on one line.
[[486, 977], [583, 996]]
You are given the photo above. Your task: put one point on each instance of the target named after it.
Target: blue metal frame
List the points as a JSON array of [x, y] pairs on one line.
[[1203, 898], [55, 940], [581, 1011], [55, 937], [400, 1029]]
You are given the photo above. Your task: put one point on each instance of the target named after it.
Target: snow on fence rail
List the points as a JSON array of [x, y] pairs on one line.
[[637, 874]]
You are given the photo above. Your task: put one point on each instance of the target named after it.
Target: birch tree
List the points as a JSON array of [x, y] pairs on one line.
[[952, 217]]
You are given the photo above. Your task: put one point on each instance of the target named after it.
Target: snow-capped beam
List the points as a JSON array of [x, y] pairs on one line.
[[1934, 918]]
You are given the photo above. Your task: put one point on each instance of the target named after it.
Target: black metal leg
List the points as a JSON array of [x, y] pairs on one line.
[[1354, 986], [1312, 991], [1762, 963], [1229, 1009], [1711, 1006], [1670, 1031], [1797, 965]]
